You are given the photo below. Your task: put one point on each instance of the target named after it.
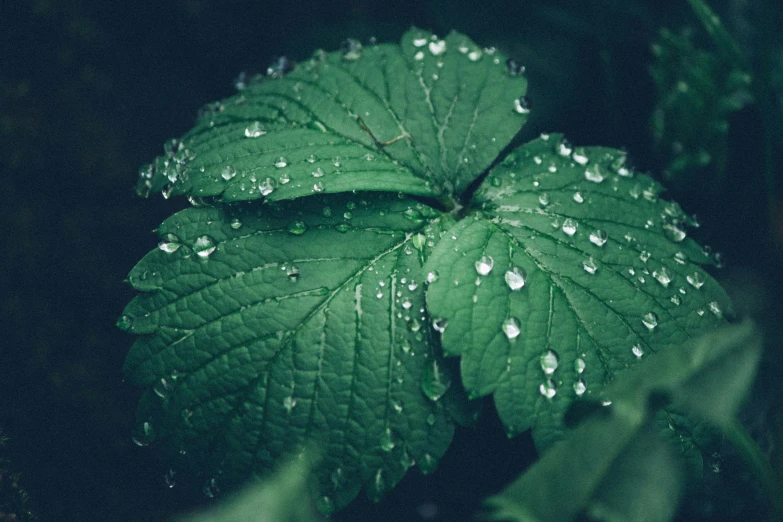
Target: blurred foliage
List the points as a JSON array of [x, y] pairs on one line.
[[698, 92], [13, 499]]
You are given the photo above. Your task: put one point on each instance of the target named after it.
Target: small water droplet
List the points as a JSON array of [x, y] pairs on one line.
[[578, 197], [543, 199], [124, 323], [511, 327], [515, 278], [406, 303], [695, 279], [549, 362], [593, 173], [484, 265], [312, 158], [318, 172], [297, 227], [580, 387], [599, 237], [169, 244], [680, 258], [676, 300], [437, 47], [236, 223], [650, 320], [522, 105], [715, 309], [644, 256], [590, 266], [637, 349], [413, 215], [579, 365], [387, 441], [210, 488], [204, 246], [673, 232], [432, 276], [170, 478], [254, 130], [289, 403], [351, 49], [570, 226], [435, 382], [475, 55], [318, 187], [564, 148], [440, 324], [514, 68], [281, 162], [548, 389], [580, 156]]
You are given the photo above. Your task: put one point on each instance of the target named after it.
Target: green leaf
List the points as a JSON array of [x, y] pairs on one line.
[[614, 466], [425, 117], [282, 496], [574, 270], [264, 328]]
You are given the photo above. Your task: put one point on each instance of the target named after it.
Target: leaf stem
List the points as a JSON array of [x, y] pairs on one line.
[[756, 461]]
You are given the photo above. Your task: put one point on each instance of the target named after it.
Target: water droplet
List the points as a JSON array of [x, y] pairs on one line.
[[124, 323], [437, 48], [593, 173], [580, 156], [254, 130], [511, 327], [673, 232], [680, 258], [578, 197], [543, 199], [289, 403], [715, 309], [281, 162], [318, 173], [599, 237], [431, 419], [144, 435], [650, 320], [406, 303], [418, 56], [644, 256], [440, 324], [549, 362], [414, 325], [169, 243], [484, 265], [413, 215], [432, 276], [515, 278], [267, 186], [204, 246], [167, 190], [297, 227], [318, 187], [514, 68], [210, 488], [312, 158], [548, 389], [522, 105], [236, 224], [351, 49], [695, 279], [570, 226], [325, 505], [419, 42], [387, 441], [580, 387], [579, 365], [564, 148], [475, 55], [637, 349], [663, 275], [590, 266], [676, 300], [435, 382]]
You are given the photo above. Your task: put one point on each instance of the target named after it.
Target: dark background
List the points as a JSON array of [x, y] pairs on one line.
[[90, 90]]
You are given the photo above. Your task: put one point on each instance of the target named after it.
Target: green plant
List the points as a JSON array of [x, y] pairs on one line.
[[360, 220]]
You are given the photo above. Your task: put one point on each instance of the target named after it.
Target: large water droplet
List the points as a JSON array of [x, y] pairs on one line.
[[512, 327], [570, 226], [254, 130], [522, 105], [593, 173], [650, 320], [663, 275], [637, 349], [169, 244], [484, 265], [267, 186], [548, 389], [695, 279], [549, 362], [228, 172], [599, 237], [515, 278], [281, 162], [204, 246]]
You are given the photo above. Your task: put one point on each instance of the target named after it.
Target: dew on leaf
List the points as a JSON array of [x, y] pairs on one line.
[[593, 173], [680, 258], [580, 156], [204, 246], [297, 227], [351, 49], [676, 300], [695, 279], [475, 55], [590, 265], [663, 275], [484, 265], [284, 178], [714, 307], [387, 441], [579, 365], [318, 187], [673, 232], [318, 172], [169, 244], [124, 323], [522, 105], [437, 48], [435, 382], [432, 276], [515, 278], [549, 361], [570, 226], [514, 68], [564, 148], [578, 197], [511, 327], [580, 387], [267, 186], [254, 130], [637, 349], [281, 162], [440, 324], [650, 320], [543, 199], [548, 389], [644, 255], [289, 403], [413, 215], [599, 237]]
